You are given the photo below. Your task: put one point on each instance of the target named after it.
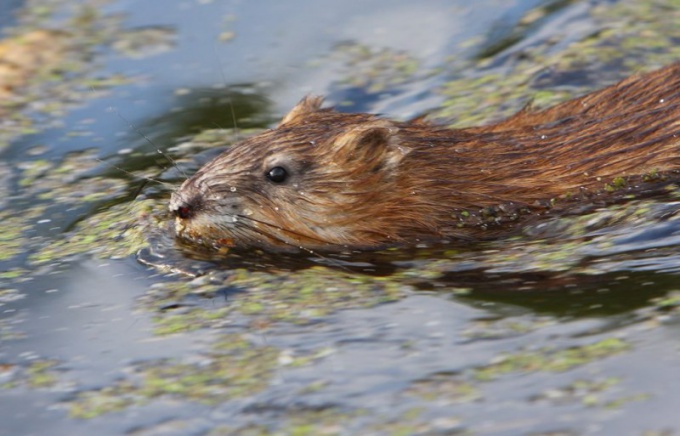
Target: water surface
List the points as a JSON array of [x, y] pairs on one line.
[[106, 325]]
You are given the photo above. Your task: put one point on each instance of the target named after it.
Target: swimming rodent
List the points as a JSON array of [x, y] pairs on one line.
[[324, 180]]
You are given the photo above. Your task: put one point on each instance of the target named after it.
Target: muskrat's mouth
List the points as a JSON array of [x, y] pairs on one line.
[[189, 235], [241, 233]]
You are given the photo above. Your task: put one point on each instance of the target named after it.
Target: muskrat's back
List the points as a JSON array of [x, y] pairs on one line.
[[328, 180]]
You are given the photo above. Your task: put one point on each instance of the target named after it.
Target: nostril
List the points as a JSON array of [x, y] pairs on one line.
[[184, 212]]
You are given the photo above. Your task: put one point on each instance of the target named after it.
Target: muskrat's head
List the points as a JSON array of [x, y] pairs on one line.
[[320, 180]]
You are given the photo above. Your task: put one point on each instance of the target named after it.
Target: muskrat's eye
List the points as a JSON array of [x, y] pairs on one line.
[[277, 174]]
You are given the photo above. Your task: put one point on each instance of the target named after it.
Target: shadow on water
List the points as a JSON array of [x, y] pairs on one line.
[[231, 109], [565, 295], [571, 293]]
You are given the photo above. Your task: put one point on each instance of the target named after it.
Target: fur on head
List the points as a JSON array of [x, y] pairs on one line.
[[314, 181]]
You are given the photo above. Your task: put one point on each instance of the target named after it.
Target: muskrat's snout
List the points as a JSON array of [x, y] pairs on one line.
[[180, 209], [204, 214], [179, 205], [184, 205]]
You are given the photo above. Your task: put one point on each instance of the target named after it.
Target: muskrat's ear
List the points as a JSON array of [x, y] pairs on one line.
[[374, 143], [305, 107]]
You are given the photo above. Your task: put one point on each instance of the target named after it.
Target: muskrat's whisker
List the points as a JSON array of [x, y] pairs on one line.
[[136, 176], [229, 100], [254, 229], [237, 134], [150, 142], [274, 226], [140, 188]]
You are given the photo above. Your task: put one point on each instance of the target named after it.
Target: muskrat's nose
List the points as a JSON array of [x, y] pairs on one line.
[[183, 212], [180, 207]]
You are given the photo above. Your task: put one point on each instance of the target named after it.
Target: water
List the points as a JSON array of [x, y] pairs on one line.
[[107, 325]]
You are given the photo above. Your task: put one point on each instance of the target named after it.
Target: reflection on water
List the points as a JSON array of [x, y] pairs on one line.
[[233, 108], [153, 154]]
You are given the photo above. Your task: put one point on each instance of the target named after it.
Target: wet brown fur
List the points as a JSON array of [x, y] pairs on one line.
[[358, 180]]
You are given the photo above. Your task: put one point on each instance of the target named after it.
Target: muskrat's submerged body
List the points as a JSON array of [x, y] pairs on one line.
[[329, 180]]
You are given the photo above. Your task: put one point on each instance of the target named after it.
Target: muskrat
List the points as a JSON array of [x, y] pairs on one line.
[[325, 180]]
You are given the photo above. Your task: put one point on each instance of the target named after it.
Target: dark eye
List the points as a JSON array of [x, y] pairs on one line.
[[277, 174], [183, 212]]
